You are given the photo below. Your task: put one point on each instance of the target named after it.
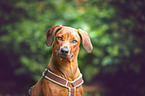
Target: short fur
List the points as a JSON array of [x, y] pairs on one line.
[[62, 63]]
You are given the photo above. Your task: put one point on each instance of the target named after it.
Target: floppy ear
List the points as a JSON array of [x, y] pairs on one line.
[[50, 33], [86, 42]]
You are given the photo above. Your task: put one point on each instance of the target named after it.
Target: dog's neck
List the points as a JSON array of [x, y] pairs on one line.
[[65, 68]]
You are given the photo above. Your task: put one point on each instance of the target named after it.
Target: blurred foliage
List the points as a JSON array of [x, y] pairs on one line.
[[116, 29]]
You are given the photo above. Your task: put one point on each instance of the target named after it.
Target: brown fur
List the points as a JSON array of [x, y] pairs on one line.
[[64, 65]]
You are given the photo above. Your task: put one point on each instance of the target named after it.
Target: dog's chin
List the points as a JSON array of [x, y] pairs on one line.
[[63, 56]]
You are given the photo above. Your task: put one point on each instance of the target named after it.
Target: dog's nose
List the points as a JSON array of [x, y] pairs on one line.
[[64, 50]]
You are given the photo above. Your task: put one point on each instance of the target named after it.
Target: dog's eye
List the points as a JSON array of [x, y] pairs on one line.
[[59, 38], [74, 41]]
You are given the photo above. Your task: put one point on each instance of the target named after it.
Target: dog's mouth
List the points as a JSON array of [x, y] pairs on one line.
[[63, 56]]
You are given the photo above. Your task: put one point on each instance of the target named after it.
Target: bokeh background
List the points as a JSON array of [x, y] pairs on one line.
[[115, 67]]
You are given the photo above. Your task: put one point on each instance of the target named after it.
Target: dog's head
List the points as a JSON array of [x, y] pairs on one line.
[[67, 41]]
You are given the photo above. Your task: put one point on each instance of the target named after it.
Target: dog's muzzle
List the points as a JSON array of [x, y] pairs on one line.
[[64, 53]]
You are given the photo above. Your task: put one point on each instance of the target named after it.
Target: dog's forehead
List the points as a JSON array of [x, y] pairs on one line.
[[68, 31]]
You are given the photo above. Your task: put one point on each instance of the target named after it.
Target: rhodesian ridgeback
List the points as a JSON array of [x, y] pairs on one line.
[[63, 64]]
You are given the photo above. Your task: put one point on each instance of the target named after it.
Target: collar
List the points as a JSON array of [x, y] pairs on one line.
[[70, 85]]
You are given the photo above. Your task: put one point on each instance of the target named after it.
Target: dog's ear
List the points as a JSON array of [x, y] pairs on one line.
[[86, 42], [50, 33]]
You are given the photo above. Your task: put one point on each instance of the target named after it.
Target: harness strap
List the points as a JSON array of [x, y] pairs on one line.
[[71, 85]]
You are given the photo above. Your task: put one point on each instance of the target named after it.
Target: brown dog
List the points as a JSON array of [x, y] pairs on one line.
[[63, 63]]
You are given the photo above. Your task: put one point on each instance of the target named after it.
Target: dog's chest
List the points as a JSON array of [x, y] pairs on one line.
[[56, 90]]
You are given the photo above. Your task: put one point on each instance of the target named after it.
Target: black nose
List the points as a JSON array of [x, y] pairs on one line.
[[64, 50]]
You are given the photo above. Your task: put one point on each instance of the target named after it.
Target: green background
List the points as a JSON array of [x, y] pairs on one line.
[[116, 65]]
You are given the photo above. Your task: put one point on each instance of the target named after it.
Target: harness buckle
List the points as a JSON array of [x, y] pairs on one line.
[[71, 91]]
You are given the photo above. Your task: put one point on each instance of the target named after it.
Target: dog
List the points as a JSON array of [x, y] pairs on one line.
[[62, 76]]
